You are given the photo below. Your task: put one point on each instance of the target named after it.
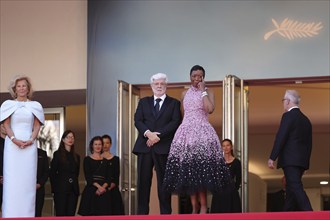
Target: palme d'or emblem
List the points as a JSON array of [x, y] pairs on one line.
[[291, 29]]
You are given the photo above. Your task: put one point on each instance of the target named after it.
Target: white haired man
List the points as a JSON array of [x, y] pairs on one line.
[[156, 118], [293, 147]]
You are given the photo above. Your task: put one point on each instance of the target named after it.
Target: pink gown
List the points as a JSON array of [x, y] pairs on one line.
[[195, 160]]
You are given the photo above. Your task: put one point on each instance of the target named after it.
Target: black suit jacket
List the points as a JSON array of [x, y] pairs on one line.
[[2, 145], [43, 168], [166, 123], [293, 142]]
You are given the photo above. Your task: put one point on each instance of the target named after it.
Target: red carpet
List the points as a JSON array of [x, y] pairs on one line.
[[319, 215]]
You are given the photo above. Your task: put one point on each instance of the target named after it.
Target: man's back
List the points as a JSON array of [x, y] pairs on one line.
[[295, 134]]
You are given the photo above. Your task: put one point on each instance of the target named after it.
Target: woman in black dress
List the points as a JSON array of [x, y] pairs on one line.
[[116, 201], [229, 200], [64, 172], [94, 200]]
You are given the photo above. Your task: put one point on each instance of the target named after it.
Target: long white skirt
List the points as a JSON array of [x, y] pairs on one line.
[[20, 169]]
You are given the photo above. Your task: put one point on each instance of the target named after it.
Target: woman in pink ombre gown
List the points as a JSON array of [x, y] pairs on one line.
[[195, 163]]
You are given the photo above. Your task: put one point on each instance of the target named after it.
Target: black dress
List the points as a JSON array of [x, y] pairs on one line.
[[116, 201], [92, 204], [229, 201]]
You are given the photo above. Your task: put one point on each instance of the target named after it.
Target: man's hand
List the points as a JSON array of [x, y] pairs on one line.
[[152, 138], [271, 164], [151, 143]]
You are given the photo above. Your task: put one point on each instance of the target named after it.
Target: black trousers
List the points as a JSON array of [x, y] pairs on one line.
[[146, 163], [40, 199], [295, 194]]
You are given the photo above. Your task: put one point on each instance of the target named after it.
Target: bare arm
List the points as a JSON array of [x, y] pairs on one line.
[[8, 130], [11, 134], [208, 102], [22, 143], [36, 128], [183, 94], [207, 96]]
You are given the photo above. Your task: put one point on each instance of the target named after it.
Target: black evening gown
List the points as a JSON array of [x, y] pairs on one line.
[[116, 201], [92, 204], [229, 200]]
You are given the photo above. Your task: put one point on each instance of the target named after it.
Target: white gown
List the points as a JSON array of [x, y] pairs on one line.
[[20, 165]]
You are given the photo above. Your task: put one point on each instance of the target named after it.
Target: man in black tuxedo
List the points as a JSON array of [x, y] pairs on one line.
[[42, 177], [2, 145], [293, 147], [156, 118]]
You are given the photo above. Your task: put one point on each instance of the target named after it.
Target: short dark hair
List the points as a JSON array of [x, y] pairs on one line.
[[197, 67]]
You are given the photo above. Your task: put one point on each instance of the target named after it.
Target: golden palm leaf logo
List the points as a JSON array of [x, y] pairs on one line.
[[293, 29]]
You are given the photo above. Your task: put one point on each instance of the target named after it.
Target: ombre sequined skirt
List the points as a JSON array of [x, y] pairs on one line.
[[195, 162]]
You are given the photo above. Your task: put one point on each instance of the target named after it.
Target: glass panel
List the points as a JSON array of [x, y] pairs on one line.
[[48, 140], [127, 102], [50, 133], [235, 114]]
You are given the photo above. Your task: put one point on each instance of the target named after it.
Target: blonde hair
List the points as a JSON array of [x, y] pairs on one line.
[[13, 83]]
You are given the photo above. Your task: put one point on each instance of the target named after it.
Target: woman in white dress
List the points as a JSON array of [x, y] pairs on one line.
[[22, 119]]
